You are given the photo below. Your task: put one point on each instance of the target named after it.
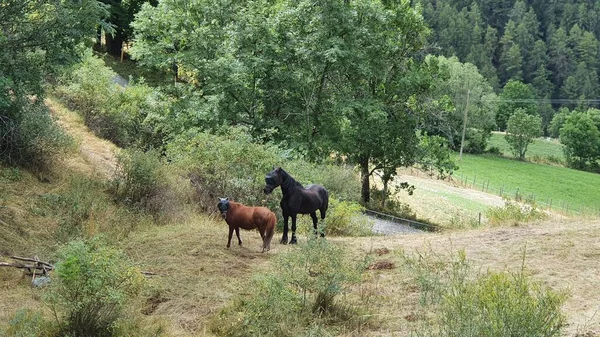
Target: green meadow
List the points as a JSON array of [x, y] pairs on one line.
[[541, 147], [562, 188]]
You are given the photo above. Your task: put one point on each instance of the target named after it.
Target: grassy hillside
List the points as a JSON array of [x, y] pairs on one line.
[[202, 289], [555, 186]]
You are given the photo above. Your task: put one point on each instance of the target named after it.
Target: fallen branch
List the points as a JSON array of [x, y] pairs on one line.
[[36, 260]]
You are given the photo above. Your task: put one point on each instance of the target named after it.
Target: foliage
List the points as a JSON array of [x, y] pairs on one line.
[[521, 130], [515, 95], [501, 304], [557, 122], [124, 115], [137, 178], [314, 76], [31, 139], [345, 218], [581, 139], [302, 296], [436, 155], [490, 304], [93, 283], [463, 84], [33, 43], [514, 213]]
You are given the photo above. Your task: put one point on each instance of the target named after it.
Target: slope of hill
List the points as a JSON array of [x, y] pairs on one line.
[[197, 275]]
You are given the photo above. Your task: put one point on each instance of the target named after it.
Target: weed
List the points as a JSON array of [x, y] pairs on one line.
[[514, 213], [92, 284], [299, 299]]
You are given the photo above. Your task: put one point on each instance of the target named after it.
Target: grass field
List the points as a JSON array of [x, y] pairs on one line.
[[563, 188], [541, 147]]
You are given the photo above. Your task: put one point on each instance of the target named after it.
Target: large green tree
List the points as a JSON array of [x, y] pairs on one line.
[[581, 139], [36, 37], [521, 130], [319, 76], [514, 95], [472, 96]]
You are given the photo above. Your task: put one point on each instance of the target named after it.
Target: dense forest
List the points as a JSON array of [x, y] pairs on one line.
[[550, 45]]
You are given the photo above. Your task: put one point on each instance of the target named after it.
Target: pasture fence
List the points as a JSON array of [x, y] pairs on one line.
[[519, 195]]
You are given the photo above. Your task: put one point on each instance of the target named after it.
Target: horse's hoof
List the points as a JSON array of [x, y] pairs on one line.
[[293, 241], [284, 241], [322, 235]]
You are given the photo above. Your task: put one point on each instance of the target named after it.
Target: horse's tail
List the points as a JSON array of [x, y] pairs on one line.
[[269, 230], [326, 199]]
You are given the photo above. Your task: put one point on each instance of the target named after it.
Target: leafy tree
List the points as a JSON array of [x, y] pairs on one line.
[[515, 94], [463, 80], [37, 37], [557, 122], [121, 15], [581, 140], [521, 130]]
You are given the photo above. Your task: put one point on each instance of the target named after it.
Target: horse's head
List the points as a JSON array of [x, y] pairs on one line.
[[223, 207], [273, 180]]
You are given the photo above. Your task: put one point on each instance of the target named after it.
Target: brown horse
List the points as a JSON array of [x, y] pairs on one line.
[[247, 217]]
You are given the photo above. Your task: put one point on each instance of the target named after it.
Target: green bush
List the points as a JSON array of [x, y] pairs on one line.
[[513, 212], [30, 138], [137, 177], [345, 218], [484, 305], [302, 296], [92, 284], [501, 304], [112, 112]]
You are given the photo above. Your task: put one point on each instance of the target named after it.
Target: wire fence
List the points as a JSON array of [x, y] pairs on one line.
[[547, 203]]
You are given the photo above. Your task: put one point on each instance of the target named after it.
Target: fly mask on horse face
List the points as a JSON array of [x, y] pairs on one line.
[[223, 207]]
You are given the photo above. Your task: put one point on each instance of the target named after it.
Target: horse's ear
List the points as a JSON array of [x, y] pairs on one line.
[[227, 199]]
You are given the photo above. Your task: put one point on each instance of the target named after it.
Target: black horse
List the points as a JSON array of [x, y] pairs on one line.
[[296, 200]]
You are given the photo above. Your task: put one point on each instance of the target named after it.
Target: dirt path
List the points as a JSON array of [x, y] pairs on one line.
[[97, 156]]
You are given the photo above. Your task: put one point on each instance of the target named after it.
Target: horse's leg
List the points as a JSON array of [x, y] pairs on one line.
[[322, 211], [237, 232], [313, 215], [284, 238], [293, 240], [230, 235]]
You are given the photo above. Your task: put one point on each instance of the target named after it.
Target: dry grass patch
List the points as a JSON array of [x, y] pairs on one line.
[[560, 253], [197, 275]]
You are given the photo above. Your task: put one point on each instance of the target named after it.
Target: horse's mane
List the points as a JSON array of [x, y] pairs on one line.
[[289, 181]]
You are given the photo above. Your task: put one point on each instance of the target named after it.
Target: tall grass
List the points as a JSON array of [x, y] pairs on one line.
[[488, 304], [301, 296]]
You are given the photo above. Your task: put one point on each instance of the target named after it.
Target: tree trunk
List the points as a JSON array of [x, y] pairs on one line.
[[365, 192], [114, 44]]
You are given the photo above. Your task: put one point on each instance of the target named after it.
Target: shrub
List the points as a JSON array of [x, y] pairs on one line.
[[299, 298], [93, 282], [514, 212], [31, 138], [492, 304], [137, 177], [501, 304], [345, 218], [112, 112]]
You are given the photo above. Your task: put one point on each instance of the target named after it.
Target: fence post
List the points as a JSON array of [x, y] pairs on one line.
[[474, 179], [517, 195]]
